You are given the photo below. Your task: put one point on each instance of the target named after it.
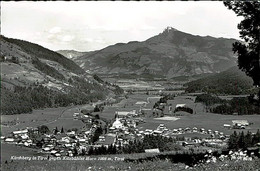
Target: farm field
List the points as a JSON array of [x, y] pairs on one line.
[[8, 150], [51, 117]]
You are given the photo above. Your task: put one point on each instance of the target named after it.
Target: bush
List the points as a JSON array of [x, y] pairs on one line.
[[208, 99]]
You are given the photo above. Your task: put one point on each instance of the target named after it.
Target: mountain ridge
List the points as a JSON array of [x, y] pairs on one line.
[[171, 53]]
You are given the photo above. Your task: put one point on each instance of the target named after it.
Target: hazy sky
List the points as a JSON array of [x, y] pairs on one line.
[[86, 26]]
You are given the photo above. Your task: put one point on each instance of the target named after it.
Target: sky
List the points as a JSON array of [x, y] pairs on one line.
[[93, 25]]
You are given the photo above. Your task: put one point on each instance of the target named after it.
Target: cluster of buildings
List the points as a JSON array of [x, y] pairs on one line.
[[57, 143], [119, 133], [237, 124], [125, 129], [21, 137]]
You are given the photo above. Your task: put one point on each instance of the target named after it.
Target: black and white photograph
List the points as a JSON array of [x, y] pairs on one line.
[[130, 85]]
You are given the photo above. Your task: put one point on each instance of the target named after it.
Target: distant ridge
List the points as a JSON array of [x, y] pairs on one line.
[[71, 53]]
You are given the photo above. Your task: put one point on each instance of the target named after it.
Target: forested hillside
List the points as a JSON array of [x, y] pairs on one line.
[[232, 81], [34, 77]]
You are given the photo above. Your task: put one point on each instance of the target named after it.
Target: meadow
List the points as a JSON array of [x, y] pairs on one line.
[[51, 117]]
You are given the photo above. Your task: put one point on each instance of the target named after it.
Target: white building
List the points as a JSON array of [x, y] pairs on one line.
[[117, 124], [180, 105]]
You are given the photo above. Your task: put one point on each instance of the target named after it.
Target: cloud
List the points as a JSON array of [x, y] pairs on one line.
[[67, 38], [95, 25], [55, 30]]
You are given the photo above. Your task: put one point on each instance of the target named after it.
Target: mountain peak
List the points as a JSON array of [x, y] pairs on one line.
[[169, 54], [168, 29]]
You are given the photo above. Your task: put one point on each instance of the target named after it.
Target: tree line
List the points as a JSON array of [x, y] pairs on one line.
[[139, 146], [243, 141], [237, 105], [25, 99], [208, 99]]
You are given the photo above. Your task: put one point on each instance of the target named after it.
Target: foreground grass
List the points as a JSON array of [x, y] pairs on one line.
[[121, 165]]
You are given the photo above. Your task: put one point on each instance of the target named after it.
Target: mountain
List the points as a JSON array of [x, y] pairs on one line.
[[34, 77], [171, 53], [232, 81], [24, 63], [71, 53]]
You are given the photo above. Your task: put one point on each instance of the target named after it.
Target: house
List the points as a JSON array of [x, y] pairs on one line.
[[57, 154], [65, 139], [187, 129], [112, 130], [161, 127], [154, 150], [67, 145], [240, 123], [53, 152], [20, 133], [180, 105], [102, 138], [117, 124], [121, 114], [157, 132], [24, 136], [132, 113], [227, 126], [9, 140], [76, 114], [71, 133], [46, 149], [82, 140], [33, 130], [187, 138], [202, 131], [194, 129], [141, 103]]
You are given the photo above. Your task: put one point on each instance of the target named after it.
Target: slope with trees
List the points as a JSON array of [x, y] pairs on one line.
[[249, 28], [232, 81], [34, 77]]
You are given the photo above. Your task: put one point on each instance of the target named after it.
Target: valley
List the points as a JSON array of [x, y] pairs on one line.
[[151, 86], [172, 94], [137, 101]]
